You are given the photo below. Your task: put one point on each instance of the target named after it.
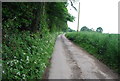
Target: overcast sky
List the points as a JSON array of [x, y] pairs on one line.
[[96, 13]]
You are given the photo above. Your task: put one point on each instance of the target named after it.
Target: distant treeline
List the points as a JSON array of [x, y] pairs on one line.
[[84, 28]]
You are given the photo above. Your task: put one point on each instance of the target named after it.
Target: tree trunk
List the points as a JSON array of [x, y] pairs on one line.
[[36, 21]]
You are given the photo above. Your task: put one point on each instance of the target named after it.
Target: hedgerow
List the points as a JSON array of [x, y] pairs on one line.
[[102, 46], [25, 51], [25, 55]]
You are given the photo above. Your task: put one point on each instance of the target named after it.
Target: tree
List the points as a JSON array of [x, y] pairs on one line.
[[72, 2], [84, 28], [35, 17], [99, 29], [58, 21]]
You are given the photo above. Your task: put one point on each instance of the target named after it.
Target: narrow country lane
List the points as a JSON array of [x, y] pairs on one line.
[[72, 62]]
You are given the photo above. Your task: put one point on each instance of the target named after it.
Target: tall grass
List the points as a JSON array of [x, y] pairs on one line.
[[102, 46], [25, 55]]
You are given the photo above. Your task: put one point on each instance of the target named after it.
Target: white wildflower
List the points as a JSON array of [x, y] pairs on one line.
[[35, 62], [24, 76], [24, 53], [3, 71], [14, 56], [18, 73], [7, 62], [28, 58]]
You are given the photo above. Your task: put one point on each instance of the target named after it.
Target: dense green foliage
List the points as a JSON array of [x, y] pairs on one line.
[[29, 32], [58, 16], [42, 17], [26, 56], [84, 28], [102, 46], [99, 29]]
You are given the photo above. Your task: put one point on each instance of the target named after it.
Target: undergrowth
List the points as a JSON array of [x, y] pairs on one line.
[[26, 55]]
